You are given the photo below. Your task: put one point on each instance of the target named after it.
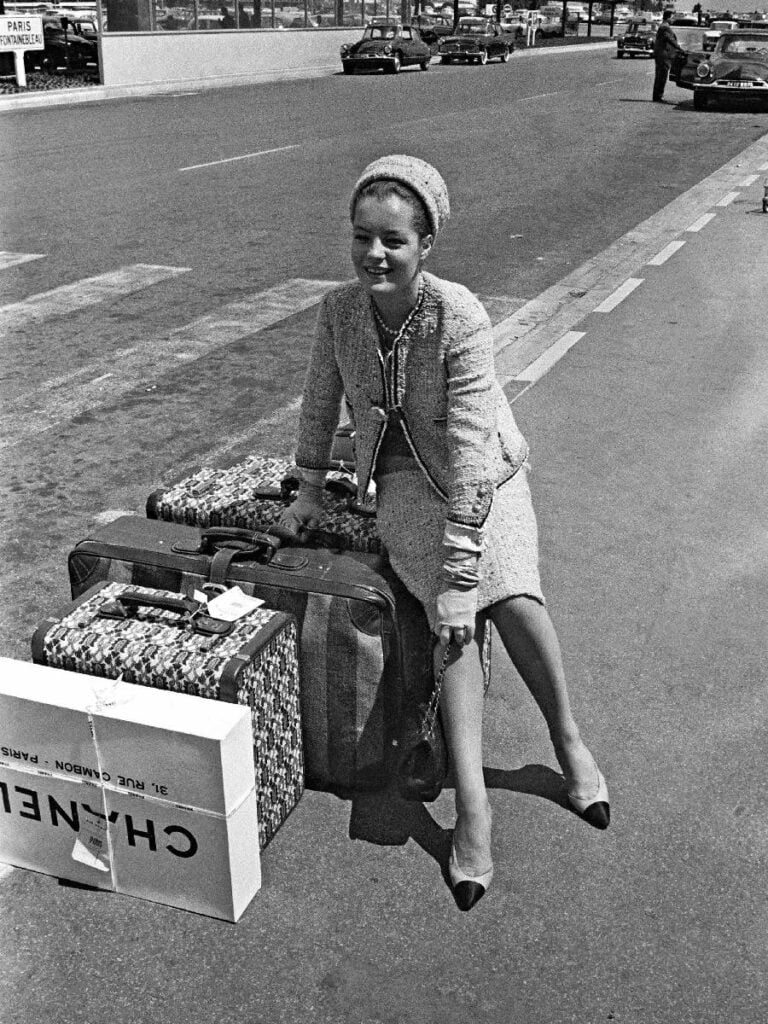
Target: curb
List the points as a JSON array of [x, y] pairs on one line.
[[98, 93]]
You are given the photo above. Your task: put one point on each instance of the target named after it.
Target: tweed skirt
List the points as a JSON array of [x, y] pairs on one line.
[[411, 519]]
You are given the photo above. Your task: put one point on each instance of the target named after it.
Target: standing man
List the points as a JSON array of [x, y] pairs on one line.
[[665, 46]]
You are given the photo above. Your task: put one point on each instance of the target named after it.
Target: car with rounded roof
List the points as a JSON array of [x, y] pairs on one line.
[[386, 46], [476, 41], [637, 40], [736, 69]]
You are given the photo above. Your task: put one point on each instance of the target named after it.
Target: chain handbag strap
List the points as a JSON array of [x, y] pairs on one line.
[[430, 712]]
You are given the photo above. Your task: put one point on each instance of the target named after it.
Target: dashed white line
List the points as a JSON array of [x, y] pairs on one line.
[[701, 222], [666, 252], [232, 159], [94, 385], [87, 292], [749, 180], [13, 259], [619, 295], [727, 199], [547, 359]]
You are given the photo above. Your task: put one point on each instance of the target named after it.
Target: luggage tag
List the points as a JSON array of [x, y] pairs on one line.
[[232, 604]]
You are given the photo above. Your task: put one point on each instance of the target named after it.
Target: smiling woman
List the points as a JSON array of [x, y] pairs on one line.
[[438, 446]]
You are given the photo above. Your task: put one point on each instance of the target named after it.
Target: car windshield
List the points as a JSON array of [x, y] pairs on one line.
[[734, 45], [472, 28], [380, 32], [640, 28]]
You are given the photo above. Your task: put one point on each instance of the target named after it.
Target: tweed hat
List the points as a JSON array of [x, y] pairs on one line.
[[419, 176]]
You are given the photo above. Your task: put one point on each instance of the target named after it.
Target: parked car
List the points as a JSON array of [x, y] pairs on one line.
[[66, 47], [432, 28], [386, 46], [476, 41], [738, 66], [637, 41], [714, 30]]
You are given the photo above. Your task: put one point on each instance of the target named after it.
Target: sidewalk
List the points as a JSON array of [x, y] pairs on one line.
[[650, 451]]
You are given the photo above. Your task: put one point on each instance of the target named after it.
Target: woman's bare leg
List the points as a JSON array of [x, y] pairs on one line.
[[529, 637], [461, 707]]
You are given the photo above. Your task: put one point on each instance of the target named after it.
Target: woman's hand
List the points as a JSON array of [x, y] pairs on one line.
[[306, 511], [456, 614]]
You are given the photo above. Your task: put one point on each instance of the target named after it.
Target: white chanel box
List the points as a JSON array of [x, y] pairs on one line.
[[139, 791]]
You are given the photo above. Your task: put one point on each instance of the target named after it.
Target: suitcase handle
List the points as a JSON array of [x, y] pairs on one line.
[[257, 545], [126, 604]]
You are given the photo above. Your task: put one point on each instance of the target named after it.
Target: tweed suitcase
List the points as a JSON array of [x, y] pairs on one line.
[[364, 641], [152, 637], [253, 494]]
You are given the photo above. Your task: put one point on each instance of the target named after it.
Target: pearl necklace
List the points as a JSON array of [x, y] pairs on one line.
[[392, 333]]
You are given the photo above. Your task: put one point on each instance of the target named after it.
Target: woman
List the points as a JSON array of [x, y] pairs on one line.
[[413, 357]]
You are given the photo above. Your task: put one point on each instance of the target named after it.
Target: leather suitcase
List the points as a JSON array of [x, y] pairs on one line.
[[156, 638], [364, 641], [252, 495]]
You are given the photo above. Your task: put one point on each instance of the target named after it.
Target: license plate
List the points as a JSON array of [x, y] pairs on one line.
[[738, 85]]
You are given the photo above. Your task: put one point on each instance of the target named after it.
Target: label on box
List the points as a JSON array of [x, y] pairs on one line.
[[92, 843]]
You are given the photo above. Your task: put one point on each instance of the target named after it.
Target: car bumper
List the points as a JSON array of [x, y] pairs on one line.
[[725, 88], [643, 51], [376, 62]]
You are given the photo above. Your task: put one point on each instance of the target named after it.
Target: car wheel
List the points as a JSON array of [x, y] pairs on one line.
[[395, 63], [424, 65], [619, 55], [699, 99], [445, 60], [504, 55], [347, 70], [483, 58]]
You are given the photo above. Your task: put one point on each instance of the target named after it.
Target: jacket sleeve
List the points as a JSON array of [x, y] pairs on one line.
[[321, 398], [471, 418]]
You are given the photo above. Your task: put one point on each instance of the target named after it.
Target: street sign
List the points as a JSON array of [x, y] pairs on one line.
[[18, 34]]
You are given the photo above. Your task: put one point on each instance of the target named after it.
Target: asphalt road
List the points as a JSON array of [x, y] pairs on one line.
[[110, 387], [649, 455]]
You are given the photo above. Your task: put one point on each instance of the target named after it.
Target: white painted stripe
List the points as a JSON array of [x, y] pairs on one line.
[[233, 159], [701, 222], [749, 180], [547, 359], [619, 295], [282, 420], [88, 292], [13, 259], [666, 252], [101, 381], [727, 199]]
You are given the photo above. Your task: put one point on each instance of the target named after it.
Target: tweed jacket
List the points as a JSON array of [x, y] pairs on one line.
[[439, 382]]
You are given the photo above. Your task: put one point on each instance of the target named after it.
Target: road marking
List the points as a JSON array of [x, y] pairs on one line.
[[232, 159], [101, 381], [749, 180], [283, 420], [619, 295], [727, 199], [71, 297], [701, 222], [13, 259], [666, 252], [547, 359]]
